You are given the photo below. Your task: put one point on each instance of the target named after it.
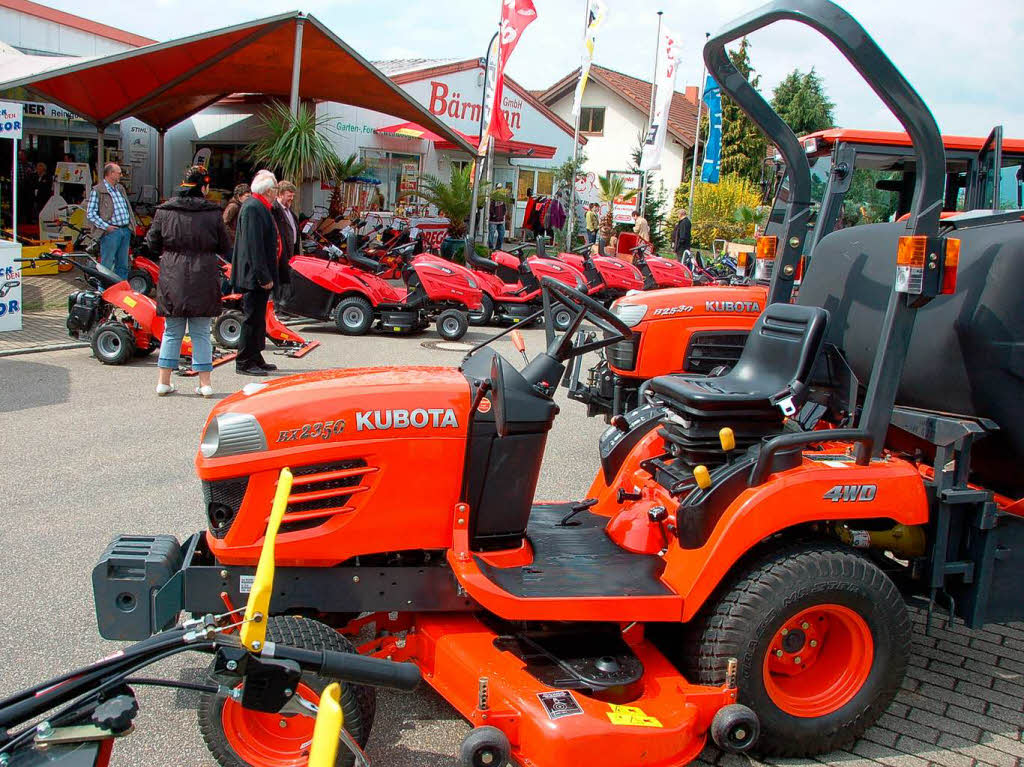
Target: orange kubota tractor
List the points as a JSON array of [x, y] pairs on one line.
[[702, 329], [742, 561]]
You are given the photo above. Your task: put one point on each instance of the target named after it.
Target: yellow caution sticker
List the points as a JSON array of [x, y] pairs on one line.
[[631, 716], [129, 301]]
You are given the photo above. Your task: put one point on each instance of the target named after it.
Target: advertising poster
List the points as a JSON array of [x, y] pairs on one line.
[[10, 286], [622, 209]]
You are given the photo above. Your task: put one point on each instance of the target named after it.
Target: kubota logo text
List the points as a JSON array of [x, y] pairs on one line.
[[732, 306], [420, 418]]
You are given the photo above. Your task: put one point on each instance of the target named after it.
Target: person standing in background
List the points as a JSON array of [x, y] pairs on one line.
[[496, 235], [288, 228], [681, 234], [640, 226], [42, 190], [230, 216], [188, 234], [254, 266], [592, 223], [112, 220]]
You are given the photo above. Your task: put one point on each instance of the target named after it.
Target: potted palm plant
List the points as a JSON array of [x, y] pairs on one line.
[[294, 147], [454, 200], [349, 168]]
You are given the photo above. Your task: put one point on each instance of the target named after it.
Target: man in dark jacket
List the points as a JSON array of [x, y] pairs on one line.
[[288, 227], [254, 270], [681, 234]]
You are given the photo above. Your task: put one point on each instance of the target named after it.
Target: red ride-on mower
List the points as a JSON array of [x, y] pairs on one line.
[[511, 286], [346, 288], [607, 277], [657, 272], [119, 323]]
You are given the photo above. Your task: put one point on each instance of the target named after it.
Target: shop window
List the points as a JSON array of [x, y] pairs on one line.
[[545, 182], [398, 173], [592, 120], [228, 166]]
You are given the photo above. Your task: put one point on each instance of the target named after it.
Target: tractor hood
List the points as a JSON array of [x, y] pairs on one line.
[[708, 301], [328, 408]]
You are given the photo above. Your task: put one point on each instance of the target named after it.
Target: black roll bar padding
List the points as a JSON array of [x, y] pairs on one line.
[[762, 468]]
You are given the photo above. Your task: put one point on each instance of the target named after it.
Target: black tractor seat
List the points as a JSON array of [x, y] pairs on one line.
[[768, 382]]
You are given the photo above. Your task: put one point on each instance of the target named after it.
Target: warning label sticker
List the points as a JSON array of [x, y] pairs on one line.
[[245, 583], [559, 703], [631, 716]]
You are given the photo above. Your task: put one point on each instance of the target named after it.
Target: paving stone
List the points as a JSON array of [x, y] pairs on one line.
[[937, 654], [978, 751], [1011, 664], [984, 721], [931, 677], [946, 724], [1008, 715], [932, 753], [1014, 687], [969, 652], [1005, 672], [990, 696], [1006, 745], [882, 736], [907, 727], [966, 674], [919, 700]]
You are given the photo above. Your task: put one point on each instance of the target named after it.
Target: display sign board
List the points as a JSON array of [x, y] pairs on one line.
[[622, 209], [12, 119], [10, 286], [73, 173]]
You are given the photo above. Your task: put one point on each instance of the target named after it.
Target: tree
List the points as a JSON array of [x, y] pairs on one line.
[[293, 146], [744, 146], [349, 168], [801, 101]]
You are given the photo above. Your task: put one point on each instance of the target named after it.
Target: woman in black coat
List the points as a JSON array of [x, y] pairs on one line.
[[188, 234]]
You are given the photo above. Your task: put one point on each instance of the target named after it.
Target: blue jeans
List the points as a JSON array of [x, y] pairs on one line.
[[114, 251], [590, 236], [202, 346], [496, 237]]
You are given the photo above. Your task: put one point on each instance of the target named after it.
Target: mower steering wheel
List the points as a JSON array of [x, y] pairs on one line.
[[582, 305]]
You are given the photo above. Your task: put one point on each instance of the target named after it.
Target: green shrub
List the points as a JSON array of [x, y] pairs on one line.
[[715, 208]]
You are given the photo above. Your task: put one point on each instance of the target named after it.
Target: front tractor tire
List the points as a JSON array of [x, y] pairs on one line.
[[113, 343], [353, 316], [238, 737], [452, 324], [822, 637]]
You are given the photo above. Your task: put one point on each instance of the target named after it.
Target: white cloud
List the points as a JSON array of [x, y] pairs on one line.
[[966, 65]]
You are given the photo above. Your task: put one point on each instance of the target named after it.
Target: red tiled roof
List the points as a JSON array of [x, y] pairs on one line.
[[682, 115], [76, 22]]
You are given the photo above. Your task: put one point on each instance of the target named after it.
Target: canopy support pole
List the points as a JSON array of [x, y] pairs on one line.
[[296, 67], [100, 130], [161, 134]]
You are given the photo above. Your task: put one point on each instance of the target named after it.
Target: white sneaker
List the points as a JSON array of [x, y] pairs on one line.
[[162, 390], [204, 391]]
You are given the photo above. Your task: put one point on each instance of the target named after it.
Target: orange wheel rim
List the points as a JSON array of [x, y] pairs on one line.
[[269, 740], [818, 661]]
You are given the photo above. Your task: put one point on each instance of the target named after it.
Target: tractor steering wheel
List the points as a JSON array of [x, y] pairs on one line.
[[563, 348]]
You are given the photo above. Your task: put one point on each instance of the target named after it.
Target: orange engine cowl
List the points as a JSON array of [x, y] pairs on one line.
[[363, 445]]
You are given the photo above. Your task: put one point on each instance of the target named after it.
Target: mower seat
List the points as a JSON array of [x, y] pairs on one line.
[[482, 263], [775, 364]]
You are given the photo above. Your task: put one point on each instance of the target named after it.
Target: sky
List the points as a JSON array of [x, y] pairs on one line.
[[968, 67]]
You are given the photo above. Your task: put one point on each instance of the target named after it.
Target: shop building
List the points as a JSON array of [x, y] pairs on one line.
[[615, 113]]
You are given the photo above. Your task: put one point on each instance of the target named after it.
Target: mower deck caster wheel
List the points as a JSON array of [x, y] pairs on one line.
[[227, 329], [735, 728], [452, 324], [485, 747]]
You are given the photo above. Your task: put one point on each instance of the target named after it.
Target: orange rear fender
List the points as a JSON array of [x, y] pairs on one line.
[[815, 491]]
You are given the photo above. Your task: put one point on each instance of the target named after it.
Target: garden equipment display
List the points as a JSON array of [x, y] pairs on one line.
[[119, 323], [511, 285], [74, 719], [607, 277], [735, 570], [657, 272]]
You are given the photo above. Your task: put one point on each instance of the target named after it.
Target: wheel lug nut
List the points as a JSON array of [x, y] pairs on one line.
[[814, 643], [282, 724], [796, 659], [778, 653], [785, 632], [805, 625]]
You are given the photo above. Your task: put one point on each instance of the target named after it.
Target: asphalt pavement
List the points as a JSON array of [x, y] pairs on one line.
[[88, 452]]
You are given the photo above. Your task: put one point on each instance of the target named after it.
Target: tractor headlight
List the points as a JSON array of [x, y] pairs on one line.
[[232, 434], [630, 314]]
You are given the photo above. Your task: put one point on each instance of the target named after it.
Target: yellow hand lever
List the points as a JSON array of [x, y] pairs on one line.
[[727, 438], [703, 477], [329, 720], [254, 630]]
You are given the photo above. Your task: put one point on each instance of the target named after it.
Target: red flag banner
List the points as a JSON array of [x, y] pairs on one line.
[[516, 16]]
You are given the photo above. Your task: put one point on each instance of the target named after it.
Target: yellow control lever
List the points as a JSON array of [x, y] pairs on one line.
[[254, 630], [703, 477], [727, 438], [329, 719]]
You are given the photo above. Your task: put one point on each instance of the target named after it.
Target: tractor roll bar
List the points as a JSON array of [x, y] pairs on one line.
[[853, 41]]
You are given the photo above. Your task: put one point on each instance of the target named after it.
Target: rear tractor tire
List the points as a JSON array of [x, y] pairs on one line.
[[822, 638], [113, 343], [238, 737], [452, 324], [353, 316], [227, 329]]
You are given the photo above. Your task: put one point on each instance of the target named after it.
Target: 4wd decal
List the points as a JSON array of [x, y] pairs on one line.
[[420, 418], [732, 306], [670, 310], [850, 493]]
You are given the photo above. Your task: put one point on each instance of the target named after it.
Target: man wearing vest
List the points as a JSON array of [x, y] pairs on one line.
[[112, 220]]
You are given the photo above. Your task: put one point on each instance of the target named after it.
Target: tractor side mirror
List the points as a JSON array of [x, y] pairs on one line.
[[257, 610]]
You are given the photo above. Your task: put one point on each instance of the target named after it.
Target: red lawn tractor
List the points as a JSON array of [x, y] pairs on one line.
[[741, 565]]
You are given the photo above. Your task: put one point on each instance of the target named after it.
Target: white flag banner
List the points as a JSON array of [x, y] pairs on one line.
[[596, 13], [669, 50]]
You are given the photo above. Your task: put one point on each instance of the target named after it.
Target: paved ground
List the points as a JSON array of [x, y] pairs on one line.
[[88, 451]]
